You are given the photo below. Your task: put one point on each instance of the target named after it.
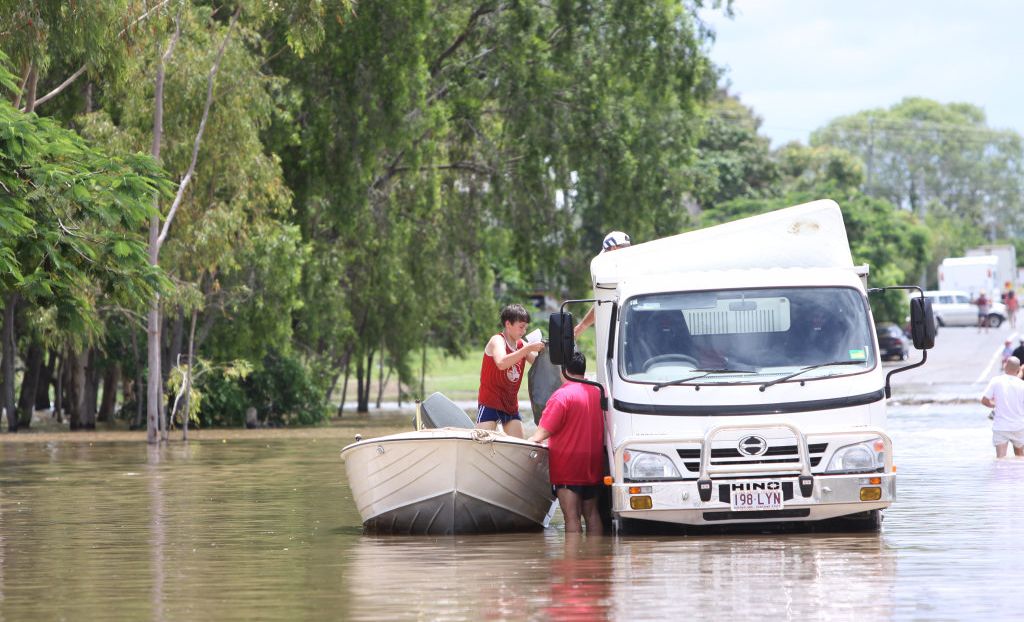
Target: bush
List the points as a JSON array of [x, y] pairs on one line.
[[282, 391]]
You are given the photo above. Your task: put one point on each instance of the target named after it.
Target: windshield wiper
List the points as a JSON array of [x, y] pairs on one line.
[[802, 370], [704, 372]]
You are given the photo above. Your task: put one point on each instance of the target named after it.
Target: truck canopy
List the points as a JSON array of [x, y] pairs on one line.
[[811, 235]]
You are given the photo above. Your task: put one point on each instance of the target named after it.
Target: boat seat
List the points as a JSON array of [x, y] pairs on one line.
[[437, 411]]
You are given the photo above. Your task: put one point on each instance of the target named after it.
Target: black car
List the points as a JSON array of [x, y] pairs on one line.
[[893, 343]]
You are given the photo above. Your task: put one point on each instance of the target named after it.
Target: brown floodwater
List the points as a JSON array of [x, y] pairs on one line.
[[260, 526]]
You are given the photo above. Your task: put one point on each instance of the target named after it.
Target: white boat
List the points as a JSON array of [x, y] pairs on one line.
[[449, 481]]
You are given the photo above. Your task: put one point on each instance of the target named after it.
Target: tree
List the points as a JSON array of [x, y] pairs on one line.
[[733, 160], [434, 174], [920, 152], [67, 213]]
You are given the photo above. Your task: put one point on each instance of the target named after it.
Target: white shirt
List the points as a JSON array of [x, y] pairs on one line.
[[1008, 394]]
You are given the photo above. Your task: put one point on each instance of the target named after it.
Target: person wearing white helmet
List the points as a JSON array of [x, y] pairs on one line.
[[612, 242]]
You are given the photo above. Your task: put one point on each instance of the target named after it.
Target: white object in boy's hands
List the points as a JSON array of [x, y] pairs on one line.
[[533, 337]]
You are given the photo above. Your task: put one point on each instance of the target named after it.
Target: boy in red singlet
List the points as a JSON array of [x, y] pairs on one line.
[[501, 373]]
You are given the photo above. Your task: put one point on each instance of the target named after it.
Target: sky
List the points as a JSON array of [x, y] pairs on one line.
[[801, 63]]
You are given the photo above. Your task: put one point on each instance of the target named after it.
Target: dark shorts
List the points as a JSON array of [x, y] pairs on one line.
[[486, 413], [585, 492]]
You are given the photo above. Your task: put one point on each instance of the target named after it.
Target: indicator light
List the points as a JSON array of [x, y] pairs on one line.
[[870, 494], [640, 503]]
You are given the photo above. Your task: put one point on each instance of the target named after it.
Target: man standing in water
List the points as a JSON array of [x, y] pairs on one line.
[[1005, 395], [501, 373], [574, 423]]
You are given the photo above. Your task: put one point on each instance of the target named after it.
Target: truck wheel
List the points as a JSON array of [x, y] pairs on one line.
[[994, 321]]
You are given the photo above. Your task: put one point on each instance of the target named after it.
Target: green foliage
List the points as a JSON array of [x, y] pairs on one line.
[[733, 160], [920, 152], [282, 390], [69, 221]]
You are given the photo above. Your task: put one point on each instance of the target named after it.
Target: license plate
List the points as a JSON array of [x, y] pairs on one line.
[[756, 495]]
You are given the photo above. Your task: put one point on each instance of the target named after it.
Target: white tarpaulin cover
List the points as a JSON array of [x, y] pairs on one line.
[[811, 235]]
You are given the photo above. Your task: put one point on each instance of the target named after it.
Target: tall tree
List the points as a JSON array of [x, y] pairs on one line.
[[432, 171], [67, 212], [920, 152]]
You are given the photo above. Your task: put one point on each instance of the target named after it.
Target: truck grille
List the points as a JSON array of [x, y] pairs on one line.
[[731, 455]]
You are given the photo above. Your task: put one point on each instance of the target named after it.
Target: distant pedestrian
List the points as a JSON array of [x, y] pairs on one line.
[[1012, 304], [983, 305], [1008, 350], [1019, 351], [1005, 396]]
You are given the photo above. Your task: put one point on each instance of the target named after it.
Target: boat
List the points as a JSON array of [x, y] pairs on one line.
[[448, 480]]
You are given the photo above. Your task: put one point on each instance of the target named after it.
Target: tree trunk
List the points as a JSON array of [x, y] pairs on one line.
[[423, 370], [46, 378], [7, 336], [58, 393], [344, 385], [111, 382], [364, 388], [154, 379], [92, 382], [77, 393], [380, 375], [359, 383], [30, 384], [154, 394], [30, 95]]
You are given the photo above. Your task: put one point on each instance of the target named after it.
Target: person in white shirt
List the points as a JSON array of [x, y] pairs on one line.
[[1005, 396]]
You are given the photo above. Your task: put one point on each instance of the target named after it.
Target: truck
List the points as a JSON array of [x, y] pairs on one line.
[[740, 376], [973, 275], [1006, 270]]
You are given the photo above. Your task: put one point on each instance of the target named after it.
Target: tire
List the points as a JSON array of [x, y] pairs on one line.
[[994, 321]]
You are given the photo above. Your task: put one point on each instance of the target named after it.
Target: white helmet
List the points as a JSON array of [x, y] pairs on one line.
[[614, 240]]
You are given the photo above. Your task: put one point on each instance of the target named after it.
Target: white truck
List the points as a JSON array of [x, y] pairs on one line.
[[974, 275], [1006, 269], [741, 377]]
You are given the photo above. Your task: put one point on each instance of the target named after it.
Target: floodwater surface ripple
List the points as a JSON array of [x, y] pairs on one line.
[[265, 529]]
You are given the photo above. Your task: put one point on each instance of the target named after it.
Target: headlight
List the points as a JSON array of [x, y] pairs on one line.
[[645, 466], [858, 458]]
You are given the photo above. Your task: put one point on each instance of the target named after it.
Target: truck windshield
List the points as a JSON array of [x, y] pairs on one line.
[[767, 333]]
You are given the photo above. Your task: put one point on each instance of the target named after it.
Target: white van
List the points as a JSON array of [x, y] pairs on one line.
[[953, 308], [741, 375]]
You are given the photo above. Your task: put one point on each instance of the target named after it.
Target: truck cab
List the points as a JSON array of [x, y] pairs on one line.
[[742, 378]]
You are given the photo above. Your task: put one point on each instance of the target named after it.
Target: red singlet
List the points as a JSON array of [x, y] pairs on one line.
[[499, 389]]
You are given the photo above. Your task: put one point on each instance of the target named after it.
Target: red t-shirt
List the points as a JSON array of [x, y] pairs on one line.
[[575, 449], [499, 389]]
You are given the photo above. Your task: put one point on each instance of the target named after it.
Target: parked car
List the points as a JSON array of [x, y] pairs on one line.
[[893, 343], [952, 308]]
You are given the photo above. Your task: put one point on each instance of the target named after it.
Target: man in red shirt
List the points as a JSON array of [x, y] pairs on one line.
[[501, 373], [573, 423]]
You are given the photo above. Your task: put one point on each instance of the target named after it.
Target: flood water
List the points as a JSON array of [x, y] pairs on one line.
[[264, 529]]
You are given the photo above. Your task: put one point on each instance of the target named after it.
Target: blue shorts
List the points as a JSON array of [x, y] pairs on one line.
[[486, 413]]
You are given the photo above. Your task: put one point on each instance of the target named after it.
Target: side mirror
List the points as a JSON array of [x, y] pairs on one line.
[[922, 323], [561, 341]]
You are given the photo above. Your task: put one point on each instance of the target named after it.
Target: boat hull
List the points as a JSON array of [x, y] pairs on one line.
[[449, 481]]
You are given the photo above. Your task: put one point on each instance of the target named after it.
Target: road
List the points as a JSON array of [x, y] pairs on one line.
[[957, 368]]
